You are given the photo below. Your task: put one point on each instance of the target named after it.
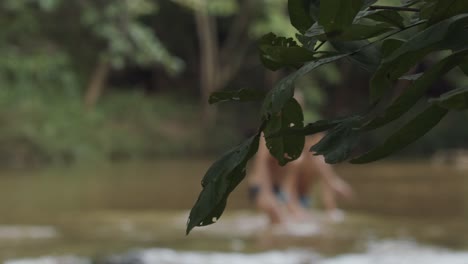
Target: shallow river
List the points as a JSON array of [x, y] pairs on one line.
[[136, 213]]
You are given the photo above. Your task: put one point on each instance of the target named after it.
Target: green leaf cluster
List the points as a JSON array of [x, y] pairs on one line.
[[387, 41]]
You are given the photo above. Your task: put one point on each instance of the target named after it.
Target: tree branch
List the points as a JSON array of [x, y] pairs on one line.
[[397, 8], [238, 28], [232, 66]]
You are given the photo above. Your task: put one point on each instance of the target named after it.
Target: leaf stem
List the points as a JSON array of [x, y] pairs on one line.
[[389, 35], [320, 45], [397, 8]]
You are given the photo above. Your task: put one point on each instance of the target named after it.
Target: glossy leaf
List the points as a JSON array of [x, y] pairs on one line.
[[367, 3], [314, 9], [338, 143], [454, 100], [308, 67], [390, 45], [324, 125], [444, 9], [307, 42], [336, 15], [278, 52], [362, 54], [299, 14], [431, 37], [412, 51], [283, 91], [391, 17], [285, 148], [416, 91], [409, 133], [464, 68], [361, 31], [309, 129], [277, 97], [427, 9], [219, 181], [411, 77], [407, 3], [351, 33], [242, 95], [316, 31]]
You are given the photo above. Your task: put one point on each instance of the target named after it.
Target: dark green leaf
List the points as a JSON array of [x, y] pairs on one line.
[[320, 126], [444, 9], [350, 33], [336, 15], [219, 181], [367, 58], [307, 42], [410, 132], [314, 9], [309, 129], [283, 91], [464, 68], [417, 89], [361, 32], [299, 14], [454, 100], [277, 52], [407, 3], [308, 67], [368, 3], [316, 31], [432, 38], [413, 50], [285, 148], [277, 97], [390, 45], [337, 145], [323, 125], [458, 40], [427, 9], [391, 17], [242, 95]]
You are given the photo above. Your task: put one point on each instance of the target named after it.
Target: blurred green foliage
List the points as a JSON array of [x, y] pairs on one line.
[[49, 50], [51, 127], [40, 40]]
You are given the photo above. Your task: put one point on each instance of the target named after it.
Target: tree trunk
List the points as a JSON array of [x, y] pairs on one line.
[[208, 45], [218, 65], [96, 84]]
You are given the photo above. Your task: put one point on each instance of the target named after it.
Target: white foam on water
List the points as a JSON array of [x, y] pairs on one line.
[[400, 252], [168, 256], [27, 232], [305, 229], [50, 260], [381, 252]]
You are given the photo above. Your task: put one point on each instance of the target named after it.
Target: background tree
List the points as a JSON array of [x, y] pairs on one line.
[[221, 59], [52, 49]]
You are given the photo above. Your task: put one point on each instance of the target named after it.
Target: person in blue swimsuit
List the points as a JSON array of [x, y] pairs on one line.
[[282, 192]]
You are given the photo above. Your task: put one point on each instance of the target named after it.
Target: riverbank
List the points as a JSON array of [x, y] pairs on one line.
[[56, 129]]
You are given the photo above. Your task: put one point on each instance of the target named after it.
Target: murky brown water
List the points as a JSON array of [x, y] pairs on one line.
[[113, 208]]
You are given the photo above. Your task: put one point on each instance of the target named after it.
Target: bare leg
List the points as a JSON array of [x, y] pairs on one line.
[[267, 203], [290, 183], [328, 198]]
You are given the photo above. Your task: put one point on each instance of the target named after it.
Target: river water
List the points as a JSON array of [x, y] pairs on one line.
[[136, 213]]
